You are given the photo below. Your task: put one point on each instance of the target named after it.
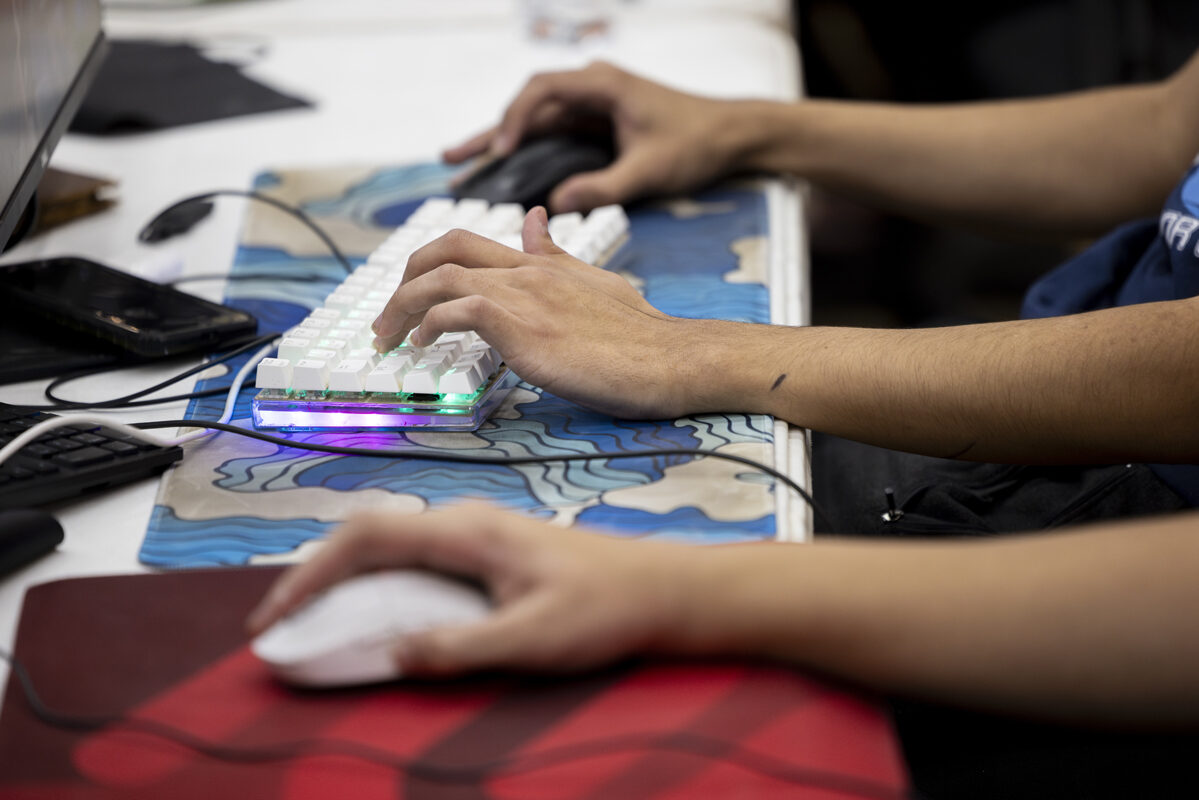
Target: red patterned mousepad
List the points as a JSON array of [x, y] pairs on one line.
[[167, 652]]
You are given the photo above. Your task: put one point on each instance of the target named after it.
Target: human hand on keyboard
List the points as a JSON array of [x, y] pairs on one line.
[[559, 323], [667, 141]]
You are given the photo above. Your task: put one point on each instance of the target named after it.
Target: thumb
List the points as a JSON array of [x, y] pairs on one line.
[[618, 183], [535, 235]]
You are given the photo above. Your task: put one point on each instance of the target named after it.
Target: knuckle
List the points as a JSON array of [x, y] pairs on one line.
[[457, 238], [451, 275], [477, 306], [605, 70]]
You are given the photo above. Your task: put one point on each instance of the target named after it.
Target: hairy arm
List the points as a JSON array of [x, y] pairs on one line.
[[1082, 625], [1101, 387], [1094, 625], [1074, 164]]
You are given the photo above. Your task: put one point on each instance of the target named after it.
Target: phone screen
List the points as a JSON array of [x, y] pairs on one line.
[[140, 316]]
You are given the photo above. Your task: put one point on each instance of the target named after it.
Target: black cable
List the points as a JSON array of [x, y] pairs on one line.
[[63, 404], [699, 746], [151, 230], [461, 458], [261, 276]]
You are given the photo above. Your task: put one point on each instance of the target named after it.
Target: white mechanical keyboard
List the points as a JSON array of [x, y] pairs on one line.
[[327, 375]]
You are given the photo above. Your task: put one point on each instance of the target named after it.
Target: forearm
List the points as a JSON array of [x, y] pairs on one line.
[[1096, 625], [1028, 166], [1113, 385]]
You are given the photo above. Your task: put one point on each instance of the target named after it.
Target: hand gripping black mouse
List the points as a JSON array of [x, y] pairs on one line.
[[529, 174]]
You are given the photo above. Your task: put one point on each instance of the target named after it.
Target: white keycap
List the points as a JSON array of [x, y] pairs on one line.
[[317, 321], [341, 300], [405, 355], [368, 354], [346, 335], [464, 379], [476, 360], [563, 226], [329, 345], [385, 258], [502, 218], [331, 356], [273, 373], [305, 332], [352, 325], [452, 348], [368, 272], [385, 378], [349, 375], [488, 357], [437, 358], [422, 379], [465, 213], [432, 211], [310, 375], [512, 240], [294, 348]]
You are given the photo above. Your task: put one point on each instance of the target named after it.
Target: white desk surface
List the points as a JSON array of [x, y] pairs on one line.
[[389, 86]]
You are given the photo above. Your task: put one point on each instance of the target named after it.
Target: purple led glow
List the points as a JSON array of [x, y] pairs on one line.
[[339, 412], [295, 419]]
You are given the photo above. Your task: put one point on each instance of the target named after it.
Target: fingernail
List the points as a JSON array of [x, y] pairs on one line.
[[377, 324]]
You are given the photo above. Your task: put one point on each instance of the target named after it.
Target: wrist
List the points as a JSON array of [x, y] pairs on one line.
[[735, 600], [770, 136], [687, 601], [734, 367], [744, 130]]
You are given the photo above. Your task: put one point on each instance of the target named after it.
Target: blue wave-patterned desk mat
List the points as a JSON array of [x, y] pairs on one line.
[[232, 501]]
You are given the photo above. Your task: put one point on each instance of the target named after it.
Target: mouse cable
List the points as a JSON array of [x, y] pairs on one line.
[[36, 431], [138, 430], [254, 276], [504, 461], [153, 230], [699, 746], [267, 343], [126, 401]]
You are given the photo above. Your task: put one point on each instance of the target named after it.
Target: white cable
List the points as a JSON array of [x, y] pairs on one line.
[[231, 397], [98, 419]]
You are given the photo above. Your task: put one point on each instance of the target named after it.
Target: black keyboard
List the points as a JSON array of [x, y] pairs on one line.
[[71, 460]]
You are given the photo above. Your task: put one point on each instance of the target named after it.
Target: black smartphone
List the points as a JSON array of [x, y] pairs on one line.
[[139, 317]]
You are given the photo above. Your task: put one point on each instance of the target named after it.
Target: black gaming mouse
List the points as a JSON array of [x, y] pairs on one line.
[[25, 535], [534, 169]]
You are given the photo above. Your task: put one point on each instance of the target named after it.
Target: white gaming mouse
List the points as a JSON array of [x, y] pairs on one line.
[[346, 635]]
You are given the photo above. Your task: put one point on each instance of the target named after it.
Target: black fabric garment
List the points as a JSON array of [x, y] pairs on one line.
[[954, 754], [961, 754], [945, 497], [145, 86]]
